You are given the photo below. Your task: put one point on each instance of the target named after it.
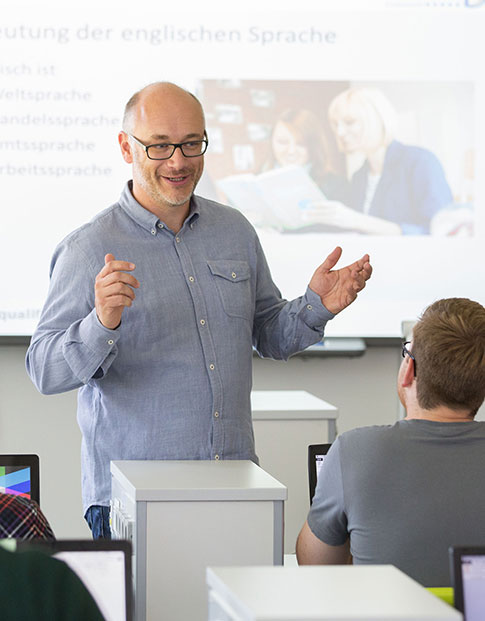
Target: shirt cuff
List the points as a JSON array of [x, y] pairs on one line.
[[89, 347], [313, 312], [96, 336]]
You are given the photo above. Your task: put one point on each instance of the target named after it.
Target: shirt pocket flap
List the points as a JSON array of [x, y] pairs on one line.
[[233, 271]]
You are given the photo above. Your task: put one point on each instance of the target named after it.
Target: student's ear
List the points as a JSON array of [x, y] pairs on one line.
[[408, 375], [125, 147]]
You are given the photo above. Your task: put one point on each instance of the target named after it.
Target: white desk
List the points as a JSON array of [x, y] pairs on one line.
[[185, 515], [285, 423], [316, 593], [296, 405]]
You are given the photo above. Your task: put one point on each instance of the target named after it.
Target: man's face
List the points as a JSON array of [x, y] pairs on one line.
[[171, 117]]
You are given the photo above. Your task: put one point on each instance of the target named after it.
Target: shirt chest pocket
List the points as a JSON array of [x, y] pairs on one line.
[[232, 279]]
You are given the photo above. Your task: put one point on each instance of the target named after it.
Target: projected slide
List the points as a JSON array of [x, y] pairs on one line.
[[15, 480], [329, 123], [301, 156]]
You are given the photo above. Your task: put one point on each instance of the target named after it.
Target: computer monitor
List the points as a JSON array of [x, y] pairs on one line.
[[19, 475], [467, 566], [316, 457], [104, 566]]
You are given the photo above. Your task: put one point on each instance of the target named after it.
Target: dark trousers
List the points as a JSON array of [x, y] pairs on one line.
[[97, 518]]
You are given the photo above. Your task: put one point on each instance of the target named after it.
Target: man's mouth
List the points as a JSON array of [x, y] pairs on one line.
[[176, 180]]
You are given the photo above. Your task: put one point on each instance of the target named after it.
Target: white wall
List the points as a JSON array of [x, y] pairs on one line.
[[362, 388], [33, 423]]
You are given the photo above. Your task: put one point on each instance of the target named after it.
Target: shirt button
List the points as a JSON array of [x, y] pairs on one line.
[[211, 367], [216, 414], [202, 322], [111, 342], [191, 226], [153, 232], [309, 306], [160, 225], [177, 239], [234, 274], [191, 278], [216, 457]]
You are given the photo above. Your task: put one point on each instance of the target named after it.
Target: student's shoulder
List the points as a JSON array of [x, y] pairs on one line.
[[366, 436]]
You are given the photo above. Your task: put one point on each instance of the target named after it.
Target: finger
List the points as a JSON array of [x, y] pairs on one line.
[[108, 258], [116, 266], [367, 271], [332, 259], [361, 267], [109, 279], [360, 263], [358, 280], [117, 289], [115, 301]]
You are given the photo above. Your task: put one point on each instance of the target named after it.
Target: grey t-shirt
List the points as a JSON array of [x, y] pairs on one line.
[[404, 493]]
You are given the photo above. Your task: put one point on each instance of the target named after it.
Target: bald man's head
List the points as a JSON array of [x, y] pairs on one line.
[[164, 114], [154, 91]]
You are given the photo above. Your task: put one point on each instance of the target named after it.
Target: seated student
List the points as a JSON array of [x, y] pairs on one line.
[[21, 518], [37, 587], [402, 494]]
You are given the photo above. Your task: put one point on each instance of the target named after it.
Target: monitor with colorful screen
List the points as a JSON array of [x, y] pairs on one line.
[[19, 475]]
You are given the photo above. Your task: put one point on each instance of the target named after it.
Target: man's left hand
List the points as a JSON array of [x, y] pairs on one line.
[[339, 288]]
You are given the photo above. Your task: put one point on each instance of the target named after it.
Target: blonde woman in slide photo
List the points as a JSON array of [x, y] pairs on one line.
[[398, 188]]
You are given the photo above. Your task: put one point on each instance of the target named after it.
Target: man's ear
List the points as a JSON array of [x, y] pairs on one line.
[[408, 375], [125, 147]]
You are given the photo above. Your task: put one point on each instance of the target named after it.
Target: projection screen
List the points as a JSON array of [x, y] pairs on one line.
[[298, 101]]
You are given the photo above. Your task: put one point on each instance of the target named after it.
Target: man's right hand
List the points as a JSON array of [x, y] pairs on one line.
[[113, 290]]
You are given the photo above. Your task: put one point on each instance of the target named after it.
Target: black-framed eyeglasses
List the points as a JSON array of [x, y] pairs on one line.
[[165, 150], [405, 352]]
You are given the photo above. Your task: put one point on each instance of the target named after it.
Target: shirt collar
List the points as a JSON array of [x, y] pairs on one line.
[[145, 218]]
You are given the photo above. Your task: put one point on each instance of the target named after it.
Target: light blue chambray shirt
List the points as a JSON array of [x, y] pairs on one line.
[[173, 381]]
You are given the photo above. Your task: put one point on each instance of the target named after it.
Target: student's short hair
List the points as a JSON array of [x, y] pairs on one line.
[[372, 107], [449, 349]]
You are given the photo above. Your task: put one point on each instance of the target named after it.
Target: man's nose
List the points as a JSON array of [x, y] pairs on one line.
[[178, 158]]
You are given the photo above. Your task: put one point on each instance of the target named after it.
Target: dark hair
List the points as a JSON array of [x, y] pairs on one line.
[[307, 125], [449, 348]]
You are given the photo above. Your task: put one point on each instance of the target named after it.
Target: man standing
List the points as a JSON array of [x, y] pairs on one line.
[[166, 373], [403, 493]]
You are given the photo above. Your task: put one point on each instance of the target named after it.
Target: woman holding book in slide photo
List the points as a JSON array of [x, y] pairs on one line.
[[298, 139], [398, 188]]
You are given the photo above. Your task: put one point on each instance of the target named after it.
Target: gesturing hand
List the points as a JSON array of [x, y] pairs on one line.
[[339, 288], [113, 290]]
